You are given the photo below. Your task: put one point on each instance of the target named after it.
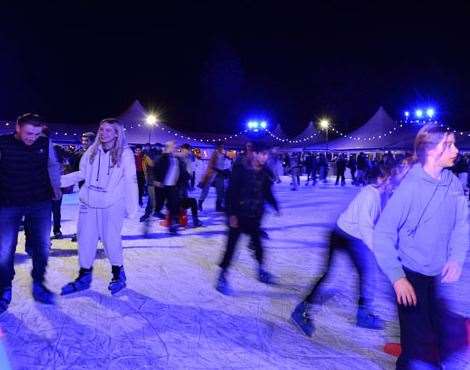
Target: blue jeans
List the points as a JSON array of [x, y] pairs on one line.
[[363, 260], [38, 216]]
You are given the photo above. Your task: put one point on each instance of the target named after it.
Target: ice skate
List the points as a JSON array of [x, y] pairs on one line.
[[119, 280], [301, 317], [42, 294], [82, 282]]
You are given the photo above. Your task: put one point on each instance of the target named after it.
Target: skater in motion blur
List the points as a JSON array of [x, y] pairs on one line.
[[215, 174], [249, 189], [353, 234], [108, 194]]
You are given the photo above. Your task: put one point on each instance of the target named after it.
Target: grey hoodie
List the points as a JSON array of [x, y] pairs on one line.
[[423, 225]]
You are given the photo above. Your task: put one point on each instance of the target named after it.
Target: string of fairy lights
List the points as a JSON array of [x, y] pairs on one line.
[[202, 140], [306, 139], [72, 133]]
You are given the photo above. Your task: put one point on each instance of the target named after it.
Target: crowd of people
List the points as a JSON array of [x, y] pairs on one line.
[[409, 219], [317, 166]]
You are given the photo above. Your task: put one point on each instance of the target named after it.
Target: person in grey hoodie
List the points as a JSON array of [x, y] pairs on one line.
[[421, 240], [353, 234]]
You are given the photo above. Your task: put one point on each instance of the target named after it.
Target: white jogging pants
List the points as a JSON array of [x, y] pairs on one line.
[[103, 224]]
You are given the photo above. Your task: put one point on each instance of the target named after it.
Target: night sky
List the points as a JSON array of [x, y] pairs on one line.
[[210, 66]]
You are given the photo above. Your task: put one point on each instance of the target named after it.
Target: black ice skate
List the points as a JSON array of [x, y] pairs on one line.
[[266, 277], [119, 280], [82, 282], [222, 284], [301, 317], [42, 294]]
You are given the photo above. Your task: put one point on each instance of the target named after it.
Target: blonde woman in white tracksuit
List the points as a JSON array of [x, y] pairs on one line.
[[107, 196]]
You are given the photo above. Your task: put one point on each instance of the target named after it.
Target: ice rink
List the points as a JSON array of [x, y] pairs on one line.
[[171, 317]]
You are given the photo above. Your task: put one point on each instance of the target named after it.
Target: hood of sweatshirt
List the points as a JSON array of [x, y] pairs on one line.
[[427, 220], [417, 171]]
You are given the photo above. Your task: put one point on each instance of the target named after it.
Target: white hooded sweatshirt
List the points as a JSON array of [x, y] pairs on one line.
[[106, 184]]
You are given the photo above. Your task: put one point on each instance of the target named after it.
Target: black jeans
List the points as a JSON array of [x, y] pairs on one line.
[[186, 203], [363, 259], [249, 226], [141, 185], [56, 215], [429, 333], [193, 179], [171, 195], [340, 175]]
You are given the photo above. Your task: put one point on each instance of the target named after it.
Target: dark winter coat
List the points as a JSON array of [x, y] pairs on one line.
[[248, 191]]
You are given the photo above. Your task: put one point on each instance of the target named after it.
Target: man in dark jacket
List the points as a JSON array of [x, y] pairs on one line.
[[362, 168], [184, 200], [352, 164], [26, 191], [248, 191], [170, 173], [340, 169]]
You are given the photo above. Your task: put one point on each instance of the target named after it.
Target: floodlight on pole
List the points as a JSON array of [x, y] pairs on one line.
[[419, 113], [325, 125], [407, 114], [151, 121], [430, 112]]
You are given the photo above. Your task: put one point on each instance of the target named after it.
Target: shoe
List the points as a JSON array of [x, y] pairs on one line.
[[266, 277], [82, 282], [58, 235], [159, 215], [199, 205], [366, 319], [263, 234], [173, 229], [144, 218], [301, 317], [74, 238], [197, 223], [42, 294], [222, 284], [5, 299], [119, 280]]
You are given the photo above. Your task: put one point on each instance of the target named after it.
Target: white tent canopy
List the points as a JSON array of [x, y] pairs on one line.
[[279, 132], [310, 131], [379, 132], [138, 132]]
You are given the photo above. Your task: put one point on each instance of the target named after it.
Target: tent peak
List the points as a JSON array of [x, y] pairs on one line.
[[136, 111]]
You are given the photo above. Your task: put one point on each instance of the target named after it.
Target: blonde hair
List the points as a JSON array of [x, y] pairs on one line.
[[120, 143]]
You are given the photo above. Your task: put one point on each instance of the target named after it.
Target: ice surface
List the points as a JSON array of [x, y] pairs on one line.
[[171, 317]]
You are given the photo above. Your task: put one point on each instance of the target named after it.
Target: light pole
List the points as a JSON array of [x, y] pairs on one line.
[[151, 121], [325, 124]]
